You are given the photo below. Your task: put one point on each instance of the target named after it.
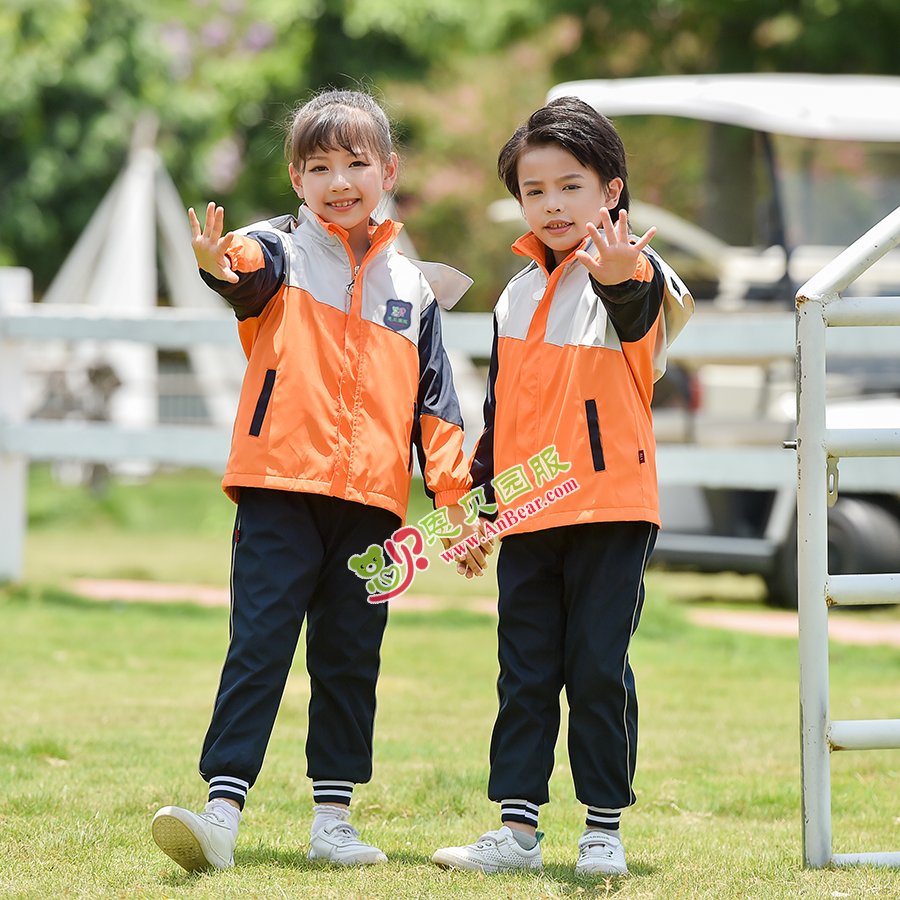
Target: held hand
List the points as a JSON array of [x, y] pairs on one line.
[[475, 560], [616, 257], [209, 244]]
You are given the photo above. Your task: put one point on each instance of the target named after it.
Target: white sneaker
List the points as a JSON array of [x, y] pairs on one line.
[[496, 851], [600, 854], [196, 841], [338, 842]]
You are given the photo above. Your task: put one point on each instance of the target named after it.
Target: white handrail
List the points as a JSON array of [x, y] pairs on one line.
[[834, 278], [819, 305]]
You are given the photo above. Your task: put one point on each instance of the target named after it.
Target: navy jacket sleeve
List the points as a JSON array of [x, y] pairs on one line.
[[437, 395], [482, 466], [633, 306], [253, 290]]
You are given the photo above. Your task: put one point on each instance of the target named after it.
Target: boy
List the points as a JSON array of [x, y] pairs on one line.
[[580, 337]]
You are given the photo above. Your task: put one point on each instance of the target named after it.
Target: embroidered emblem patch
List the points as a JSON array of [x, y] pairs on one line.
[[397, 315]]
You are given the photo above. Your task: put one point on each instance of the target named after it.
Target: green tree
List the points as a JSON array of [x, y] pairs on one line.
[[220, 76], [624, 38], [73, 76], [78, 76], [651, 37]]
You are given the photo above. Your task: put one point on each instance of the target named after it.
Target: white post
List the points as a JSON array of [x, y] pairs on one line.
[[812, 573], [819, 305], [15, 291]]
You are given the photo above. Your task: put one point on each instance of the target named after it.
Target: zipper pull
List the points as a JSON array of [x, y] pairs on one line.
[[353, 282]]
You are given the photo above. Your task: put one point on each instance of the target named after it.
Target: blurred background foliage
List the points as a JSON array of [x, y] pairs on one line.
[[456, 76]]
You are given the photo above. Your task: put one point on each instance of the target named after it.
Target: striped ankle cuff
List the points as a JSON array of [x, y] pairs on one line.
[[521, 811], [608, 819], [333, 792], [229, 788]]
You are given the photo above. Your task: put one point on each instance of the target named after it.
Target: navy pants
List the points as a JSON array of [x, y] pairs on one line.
[[570, 600], [290, 553]]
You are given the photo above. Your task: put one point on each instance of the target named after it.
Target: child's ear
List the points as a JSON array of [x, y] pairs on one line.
[[613, 192], [296, 180], [391, 171]]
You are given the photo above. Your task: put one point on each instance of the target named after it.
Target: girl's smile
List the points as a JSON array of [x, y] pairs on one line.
[[345, 188]]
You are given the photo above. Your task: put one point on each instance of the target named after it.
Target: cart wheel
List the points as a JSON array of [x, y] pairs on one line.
[[863, 537]]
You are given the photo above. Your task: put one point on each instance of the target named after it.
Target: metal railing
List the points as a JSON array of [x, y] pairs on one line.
[[820, 306]]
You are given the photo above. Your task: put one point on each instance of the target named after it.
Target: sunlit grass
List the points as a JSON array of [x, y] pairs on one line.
[[104, 707]]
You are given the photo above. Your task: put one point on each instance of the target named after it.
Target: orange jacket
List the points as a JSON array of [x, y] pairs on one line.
[[570, 384], [346, 370]]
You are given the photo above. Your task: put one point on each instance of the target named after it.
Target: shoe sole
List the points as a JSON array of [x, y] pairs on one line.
[[449, 861], [375, 860], [599, 870], [179, 843]]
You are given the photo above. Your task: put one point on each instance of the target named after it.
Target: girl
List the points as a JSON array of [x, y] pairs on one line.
[[346, 372]]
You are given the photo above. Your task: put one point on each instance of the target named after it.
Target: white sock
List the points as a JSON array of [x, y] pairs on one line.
[[232, 813], [326, 813]]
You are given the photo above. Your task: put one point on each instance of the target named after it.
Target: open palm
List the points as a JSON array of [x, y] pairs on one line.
[[616, 257], [210, 245]]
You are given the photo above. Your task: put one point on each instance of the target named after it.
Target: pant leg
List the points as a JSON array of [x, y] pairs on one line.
[[276, 557], [530, 648], [343, 644], [604, 590]]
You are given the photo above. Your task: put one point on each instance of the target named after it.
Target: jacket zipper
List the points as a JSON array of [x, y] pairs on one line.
[[352, 284]]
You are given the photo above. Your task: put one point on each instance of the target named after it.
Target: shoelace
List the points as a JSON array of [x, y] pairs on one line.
[[346, 832], [215, 817]]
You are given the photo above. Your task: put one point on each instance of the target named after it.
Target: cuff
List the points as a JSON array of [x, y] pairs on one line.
[[448, 498]]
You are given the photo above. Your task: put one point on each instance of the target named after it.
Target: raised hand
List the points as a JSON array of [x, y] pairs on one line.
[[616, 257], [210, 245]]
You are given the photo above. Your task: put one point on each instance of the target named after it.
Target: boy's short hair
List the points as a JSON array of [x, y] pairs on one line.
[[577, 127], [352, 120]]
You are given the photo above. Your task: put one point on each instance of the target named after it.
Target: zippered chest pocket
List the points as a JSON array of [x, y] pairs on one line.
[[262, 404], [593, 426]]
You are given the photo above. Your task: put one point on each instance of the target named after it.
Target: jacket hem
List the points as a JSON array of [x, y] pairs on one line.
[[542, 522], [232, 484]]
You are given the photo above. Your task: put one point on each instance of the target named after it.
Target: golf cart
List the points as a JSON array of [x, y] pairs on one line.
[[830, 146]]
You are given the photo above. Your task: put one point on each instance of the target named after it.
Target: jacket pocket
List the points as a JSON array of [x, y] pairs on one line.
[[593, 424], [263, 403], [414, 435]]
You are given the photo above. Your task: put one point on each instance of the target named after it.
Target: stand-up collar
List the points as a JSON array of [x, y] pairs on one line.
[[533, 247], [380, 234]]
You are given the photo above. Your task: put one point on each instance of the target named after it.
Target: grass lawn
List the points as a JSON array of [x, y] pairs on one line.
[[104, 706], [175, 527]]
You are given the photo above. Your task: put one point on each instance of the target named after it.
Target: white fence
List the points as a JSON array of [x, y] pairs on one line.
[[820, 306], [750, 337], [23, 439]]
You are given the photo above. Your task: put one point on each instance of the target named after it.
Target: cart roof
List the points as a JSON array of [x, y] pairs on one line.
[[839, 107]]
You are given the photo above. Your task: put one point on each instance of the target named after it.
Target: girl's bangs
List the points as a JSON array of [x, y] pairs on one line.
[[338, 128]]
